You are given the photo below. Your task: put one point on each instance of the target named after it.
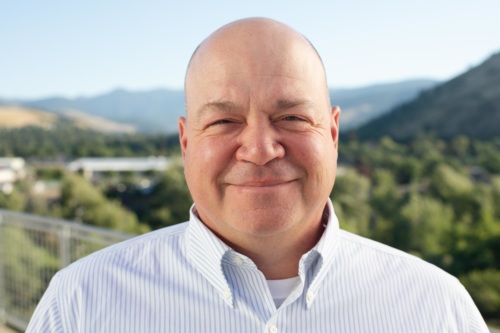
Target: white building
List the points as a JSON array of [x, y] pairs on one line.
[[11, 170], [90, 165]]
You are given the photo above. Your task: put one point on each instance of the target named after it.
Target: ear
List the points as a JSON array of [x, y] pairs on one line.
[[335, 125], [183, 138]]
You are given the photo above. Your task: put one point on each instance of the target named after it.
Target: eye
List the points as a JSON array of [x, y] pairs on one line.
[[293, 118], [293, 122], [223, 124], [220, 122]]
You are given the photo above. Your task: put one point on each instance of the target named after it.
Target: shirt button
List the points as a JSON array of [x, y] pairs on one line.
[[310, 296], [227, 294], [238, 261], [273, 329]]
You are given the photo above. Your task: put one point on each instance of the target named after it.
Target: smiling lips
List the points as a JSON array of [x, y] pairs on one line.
[[247, 176], [262, 183]]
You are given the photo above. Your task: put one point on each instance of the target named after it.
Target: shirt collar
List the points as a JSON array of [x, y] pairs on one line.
[[328, 241], [315, 264], [207, 252]]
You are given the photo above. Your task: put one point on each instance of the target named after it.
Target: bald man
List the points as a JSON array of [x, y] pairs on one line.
[[262, 251]]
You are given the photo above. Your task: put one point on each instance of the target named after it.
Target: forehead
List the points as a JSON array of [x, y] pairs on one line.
[[260, 67], [243, 88]]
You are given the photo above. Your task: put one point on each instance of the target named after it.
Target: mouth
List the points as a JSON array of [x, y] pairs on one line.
[[262, 183]]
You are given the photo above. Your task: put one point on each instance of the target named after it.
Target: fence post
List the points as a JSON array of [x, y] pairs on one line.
[[65, 245]]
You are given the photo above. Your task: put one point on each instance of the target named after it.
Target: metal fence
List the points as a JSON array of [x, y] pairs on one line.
[[32, 250]]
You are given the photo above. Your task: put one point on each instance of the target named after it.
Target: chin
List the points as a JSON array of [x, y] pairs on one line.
[[265, 221]]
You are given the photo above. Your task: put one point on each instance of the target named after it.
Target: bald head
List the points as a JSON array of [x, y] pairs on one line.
[[263, 46], [255, 21]]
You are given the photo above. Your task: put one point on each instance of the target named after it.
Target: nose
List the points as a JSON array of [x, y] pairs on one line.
[[259, 144]]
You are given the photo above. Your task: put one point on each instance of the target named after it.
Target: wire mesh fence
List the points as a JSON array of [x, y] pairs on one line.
[[32, 250]]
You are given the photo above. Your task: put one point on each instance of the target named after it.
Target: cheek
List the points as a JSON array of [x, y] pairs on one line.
[[308, 151], [208, 158], [318, 158]]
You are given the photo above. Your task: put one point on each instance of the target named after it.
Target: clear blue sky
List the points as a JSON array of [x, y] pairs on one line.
[[82, 48]]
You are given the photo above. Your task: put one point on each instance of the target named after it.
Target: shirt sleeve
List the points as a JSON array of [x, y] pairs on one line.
[[46, 317]]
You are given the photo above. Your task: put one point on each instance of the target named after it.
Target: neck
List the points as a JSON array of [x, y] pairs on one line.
[[277, 257]]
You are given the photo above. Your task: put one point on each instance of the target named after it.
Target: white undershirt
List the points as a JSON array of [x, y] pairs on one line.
[[280, 289]]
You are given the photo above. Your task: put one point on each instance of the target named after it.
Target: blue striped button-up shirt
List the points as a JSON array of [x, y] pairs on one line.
[[184, 279]]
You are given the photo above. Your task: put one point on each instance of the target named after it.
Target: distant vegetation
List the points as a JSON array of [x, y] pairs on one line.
[[65, 141]]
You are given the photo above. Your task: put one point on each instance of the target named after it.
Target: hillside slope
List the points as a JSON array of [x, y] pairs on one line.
[[154, 111], [360, 105], [12, 116], [466, 105], [15, 116]]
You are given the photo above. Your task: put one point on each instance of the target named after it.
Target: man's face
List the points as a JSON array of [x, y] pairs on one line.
[[260, 140]]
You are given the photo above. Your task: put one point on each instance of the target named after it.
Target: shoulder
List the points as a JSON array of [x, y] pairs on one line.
[[168, 236], [120, 270], [420, 288], [138, 252], [354, 241], [379, 260]]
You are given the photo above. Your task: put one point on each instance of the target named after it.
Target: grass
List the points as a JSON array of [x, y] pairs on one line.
[[16, 117]]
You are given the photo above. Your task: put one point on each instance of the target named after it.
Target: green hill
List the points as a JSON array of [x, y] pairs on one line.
[[466, 105]]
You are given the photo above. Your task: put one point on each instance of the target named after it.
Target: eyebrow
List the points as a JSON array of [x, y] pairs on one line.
[[217, 106], [285, 104], [227, 106]]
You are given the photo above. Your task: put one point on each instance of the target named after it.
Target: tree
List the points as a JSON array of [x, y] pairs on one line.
[[350, 199], [455, 188], [488, 156], [81, 201], [460, 146], [12, 201], [386, 199], [170, 199], [496, 196], [430, 224]]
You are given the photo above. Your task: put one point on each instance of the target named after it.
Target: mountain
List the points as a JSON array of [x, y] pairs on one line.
[[14, 116], [360, 105], [154, 111], [466, 105], [157, 111]]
